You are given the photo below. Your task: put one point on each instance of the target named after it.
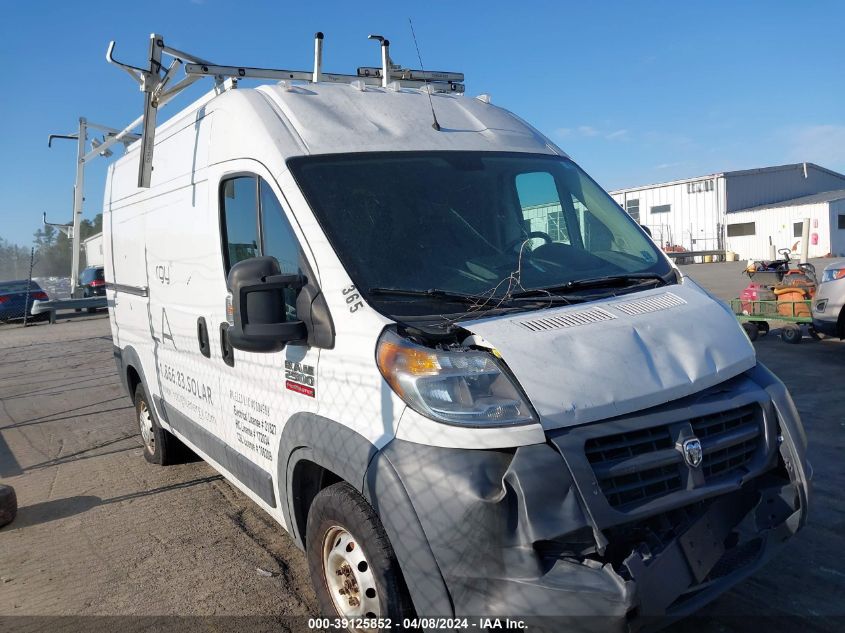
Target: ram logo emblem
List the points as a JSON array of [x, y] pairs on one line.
[[693, 453]]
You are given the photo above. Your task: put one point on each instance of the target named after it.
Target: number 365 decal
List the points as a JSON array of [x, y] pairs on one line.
[[353, 299]]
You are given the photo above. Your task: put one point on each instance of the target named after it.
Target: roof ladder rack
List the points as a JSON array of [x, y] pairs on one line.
[[156, 83]]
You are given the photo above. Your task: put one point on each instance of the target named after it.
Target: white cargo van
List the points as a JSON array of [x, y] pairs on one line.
[[440, 356]]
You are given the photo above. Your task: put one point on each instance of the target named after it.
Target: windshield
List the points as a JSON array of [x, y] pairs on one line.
[[474, 223]]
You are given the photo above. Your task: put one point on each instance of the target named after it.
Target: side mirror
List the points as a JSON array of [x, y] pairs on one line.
[[646, 229], [259, 314]]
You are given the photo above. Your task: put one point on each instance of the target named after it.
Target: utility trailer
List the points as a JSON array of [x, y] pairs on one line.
[[758, 316]]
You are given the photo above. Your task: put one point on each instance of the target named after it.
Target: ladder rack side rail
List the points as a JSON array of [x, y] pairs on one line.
[[111, 140], [78, 200], [120, 135], [244, 72], [150, 84], [181, 55]]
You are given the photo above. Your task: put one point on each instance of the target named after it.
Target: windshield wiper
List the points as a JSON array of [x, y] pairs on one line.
[[432, 293], [595, 282]]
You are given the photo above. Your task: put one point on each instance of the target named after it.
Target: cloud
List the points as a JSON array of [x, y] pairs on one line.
[[668, 165], [589, 131], [822, 144]]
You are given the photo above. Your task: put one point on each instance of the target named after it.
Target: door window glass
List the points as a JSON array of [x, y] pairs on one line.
[[279, 241], [240, 204]]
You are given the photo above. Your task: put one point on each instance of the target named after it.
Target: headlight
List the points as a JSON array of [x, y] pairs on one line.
[[833, 273], [465, 387]]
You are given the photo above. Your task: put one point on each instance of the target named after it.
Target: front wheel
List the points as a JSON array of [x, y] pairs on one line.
[[160, 447], [791, 334], [353, 568]]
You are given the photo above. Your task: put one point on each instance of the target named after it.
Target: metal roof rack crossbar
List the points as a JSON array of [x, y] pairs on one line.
[[156, 82]]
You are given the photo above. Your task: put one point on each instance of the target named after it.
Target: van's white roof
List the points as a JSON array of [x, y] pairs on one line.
[[339, 118]]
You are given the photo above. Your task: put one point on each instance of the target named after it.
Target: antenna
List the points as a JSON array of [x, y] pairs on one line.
[[435, 125]]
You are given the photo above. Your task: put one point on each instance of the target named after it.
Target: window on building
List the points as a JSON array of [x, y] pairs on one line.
[[701, 185], [741, 229], [662, 208], [557, 227], [797, 229], [633, 208], [841, 222]]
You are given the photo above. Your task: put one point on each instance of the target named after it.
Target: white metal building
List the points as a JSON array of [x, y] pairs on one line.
[[698, 213], [93, 247], [749, 231]]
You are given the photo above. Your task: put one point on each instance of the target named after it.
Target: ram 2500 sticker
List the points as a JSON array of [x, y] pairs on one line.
[[300, 378]]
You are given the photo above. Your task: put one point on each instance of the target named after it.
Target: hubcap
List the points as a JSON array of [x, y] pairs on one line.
[[145, 421], [349, 576]]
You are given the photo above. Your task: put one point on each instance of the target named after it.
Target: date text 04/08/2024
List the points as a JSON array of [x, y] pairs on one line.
[[444, 624]]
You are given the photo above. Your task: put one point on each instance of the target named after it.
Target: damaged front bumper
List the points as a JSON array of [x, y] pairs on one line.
[[607, 519]]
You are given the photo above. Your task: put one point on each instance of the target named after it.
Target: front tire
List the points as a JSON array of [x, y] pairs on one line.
[[751, 330], [353, 567], [160, 446], [791, 334], [8, 505]]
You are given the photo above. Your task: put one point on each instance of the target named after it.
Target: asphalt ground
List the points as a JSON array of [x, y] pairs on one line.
[[100, 532]]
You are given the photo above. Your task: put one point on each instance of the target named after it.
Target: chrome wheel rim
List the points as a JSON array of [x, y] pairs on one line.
[[349, 576], [145, 421]]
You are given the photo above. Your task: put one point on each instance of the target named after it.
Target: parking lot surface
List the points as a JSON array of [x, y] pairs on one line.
[[100, 532]]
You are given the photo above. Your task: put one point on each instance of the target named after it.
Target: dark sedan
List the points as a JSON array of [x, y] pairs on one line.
[[92, 280], [16, 298]]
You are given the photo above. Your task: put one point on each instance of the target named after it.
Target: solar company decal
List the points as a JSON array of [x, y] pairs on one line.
[[300, 378]]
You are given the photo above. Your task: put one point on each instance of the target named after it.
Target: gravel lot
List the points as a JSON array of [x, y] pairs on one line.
[[102, 532]]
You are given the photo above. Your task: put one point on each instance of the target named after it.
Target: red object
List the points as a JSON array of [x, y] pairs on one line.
[[4, 299], [97, 282], [41, 296], [751, 293], [303, 389]]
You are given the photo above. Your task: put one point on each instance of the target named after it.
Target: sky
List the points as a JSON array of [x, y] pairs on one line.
[[635, 92]]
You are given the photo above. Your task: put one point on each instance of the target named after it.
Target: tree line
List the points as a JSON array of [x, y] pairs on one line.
[[52, 252]]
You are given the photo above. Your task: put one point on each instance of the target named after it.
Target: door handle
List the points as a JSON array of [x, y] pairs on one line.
[[226, 349], [202, 337]]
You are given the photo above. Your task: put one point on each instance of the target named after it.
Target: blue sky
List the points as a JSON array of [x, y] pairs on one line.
[[636, 92]]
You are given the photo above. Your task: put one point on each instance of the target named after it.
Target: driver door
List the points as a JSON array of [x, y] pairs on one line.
[[260, 391]]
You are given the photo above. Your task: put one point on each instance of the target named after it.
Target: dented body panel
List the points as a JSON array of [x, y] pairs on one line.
[[614, 356], [531, 531]]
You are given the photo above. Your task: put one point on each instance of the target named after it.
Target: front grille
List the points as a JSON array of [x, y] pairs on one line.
[[729, 459], [636, 466]]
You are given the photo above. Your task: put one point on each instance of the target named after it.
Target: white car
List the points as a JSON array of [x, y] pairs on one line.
[[442, 358], [829, 302]]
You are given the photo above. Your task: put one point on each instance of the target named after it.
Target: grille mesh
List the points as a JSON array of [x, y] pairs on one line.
[[632, 467]]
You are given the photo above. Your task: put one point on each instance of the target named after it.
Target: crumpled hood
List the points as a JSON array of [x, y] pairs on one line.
[[597, 360]]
